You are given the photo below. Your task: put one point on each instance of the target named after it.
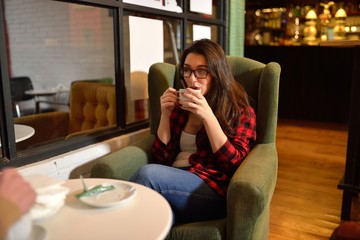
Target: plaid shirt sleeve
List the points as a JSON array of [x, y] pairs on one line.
[[166, 153], [216, 169], [237, 147]]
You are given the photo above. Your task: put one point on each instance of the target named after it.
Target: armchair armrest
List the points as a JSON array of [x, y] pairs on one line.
[[250, 193], [123, 163]]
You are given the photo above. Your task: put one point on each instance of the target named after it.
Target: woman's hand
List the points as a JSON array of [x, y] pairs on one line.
[[196, 104], [168, 101], [201, 109]]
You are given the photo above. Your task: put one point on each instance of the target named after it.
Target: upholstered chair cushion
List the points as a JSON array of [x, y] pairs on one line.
[[92, 105]]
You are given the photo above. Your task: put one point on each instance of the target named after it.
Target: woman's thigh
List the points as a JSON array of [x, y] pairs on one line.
[[190, 198]]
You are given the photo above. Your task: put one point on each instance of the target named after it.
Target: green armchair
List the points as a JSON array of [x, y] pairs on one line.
[[252, 186]]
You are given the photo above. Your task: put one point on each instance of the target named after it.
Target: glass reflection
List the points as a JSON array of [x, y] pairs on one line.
[[153, 39], [197, 31], [51, 46], [206, 8]]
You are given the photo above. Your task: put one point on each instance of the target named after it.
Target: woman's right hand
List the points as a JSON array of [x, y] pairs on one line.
[[168, 101]]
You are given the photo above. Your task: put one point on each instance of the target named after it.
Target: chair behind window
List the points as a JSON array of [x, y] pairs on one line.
[[18, 87]]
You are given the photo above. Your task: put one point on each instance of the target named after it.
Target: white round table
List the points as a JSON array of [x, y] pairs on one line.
[[41, 92], [147, 215], [23, 132]]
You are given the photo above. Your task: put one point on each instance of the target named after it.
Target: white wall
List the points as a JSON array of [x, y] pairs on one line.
[[72, 164]]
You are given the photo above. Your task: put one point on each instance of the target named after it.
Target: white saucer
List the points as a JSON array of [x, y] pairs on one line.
[[121, 194]]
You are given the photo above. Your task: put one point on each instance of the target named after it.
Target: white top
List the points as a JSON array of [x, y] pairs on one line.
[[188, 147], [147, 215]]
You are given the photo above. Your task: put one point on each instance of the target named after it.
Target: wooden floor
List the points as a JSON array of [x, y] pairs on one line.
[[306, 202]]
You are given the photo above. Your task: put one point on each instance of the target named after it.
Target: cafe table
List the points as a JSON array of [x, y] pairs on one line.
[[41, 92], [22, 132], [145, 214], [38, 93]]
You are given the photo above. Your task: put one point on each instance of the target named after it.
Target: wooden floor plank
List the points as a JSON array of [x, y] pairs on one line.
[[306, 202]]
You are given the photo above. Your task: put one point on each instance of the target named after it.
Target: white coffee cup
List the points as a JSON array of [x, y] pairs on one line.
[[21, 230], [182, 97]]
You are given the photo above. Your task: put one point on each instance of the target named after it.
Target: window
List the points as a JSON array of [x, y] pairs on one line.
[[53, 45]]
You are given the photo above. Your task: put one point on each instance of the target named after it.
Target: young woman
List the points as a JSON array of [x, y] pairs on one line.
[[201, 140]]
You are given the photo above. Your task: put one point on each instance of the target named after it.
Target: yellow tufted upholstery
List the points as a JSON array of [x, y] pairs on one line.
[[92, 106]]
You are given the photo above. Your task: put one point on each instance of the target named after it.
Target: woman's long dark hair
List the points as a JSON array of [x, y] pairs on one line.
[[226, 97]]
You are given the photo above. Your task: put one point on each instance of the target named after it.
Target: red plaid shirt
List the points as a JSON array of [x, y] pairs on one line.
[[216, 169]]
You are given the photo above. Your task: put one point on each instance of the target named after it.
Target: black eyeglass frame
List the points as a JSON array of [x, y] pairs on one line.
[[196, 72]]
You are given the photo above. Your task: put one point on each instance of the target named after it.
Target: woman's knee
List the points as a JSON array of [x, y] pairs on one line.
[[149, 169]]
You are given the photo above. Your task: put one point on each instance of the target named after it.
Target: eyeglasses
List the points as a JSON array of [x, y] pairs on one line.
[[199, 73]]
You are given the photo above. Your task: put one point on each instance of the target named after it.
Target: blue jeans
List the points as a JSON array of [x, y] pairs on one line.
[[190, 198]]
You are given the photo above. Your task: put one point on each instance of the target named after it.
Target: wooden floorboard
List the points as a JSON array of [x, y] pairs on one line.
[[307, 203]]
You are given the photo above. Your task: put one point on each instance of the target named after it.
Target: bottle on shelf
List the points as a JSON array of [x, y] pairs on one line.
[[297, 26]]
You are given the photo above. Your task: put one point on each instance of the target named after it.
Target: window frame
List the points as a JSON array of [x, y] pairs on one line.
[[10, 157]]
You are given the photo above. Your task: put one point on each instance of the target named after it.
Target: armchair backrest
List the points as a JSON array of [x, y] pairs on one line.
[[92, 105], [107, 80], [261, 82], [161, 76]]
